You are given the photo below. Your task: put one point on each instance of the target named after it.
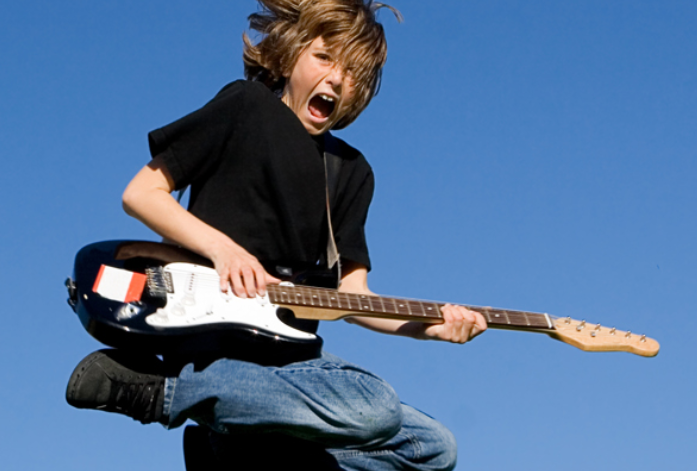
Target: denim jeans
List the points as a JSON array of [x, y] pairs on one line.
[[352, 414]]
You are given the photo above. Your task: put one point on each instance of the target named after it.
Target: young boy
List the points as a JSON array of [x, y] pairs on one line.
[[253, 159]]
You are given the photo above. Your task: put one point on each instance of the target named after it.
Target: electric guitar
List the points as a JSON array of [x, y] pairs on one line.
[[166, 300]]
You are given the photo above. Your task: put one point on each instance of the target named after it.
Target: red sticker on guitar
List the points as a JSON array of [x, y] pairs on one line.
[[118, 284]]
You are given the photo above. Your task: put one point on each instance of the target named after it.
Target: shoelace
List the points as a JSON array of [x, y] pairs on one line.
[[137, 399]]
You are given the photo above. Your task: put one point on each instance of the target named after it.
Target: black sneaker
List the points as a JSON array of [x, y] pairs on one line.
[[119, 381]]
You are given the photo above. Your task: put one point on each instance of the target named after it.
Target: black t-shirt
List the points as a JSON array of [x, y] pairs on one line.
[[258, 176]]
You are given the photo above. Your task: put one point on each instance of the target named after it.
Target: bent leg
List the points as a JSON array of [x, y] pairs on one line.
[[422, 444], [327, 400]]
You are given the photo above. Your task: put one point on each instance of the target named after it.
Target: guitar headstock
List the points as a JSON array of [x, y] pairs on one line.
[[596, 338]]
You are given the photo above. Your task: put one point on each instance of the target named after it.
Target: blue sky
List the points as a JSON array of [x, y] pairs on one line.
[[534, 155]]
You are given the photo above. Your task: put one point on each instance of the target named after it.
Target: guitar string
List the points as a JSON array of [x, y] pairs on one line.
[[513, 317]]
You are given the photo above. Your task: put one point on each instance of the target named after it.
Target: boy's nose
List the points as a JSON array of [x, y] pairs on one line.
[[336, 76]]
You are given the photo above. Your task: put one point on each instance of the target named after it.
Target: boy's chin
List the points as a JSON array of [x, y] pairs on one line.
[[315, 128]]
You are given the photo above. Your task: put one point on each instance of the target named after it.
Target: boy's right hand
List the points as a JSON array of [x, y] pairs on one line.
[[240, 270], [148, 197]]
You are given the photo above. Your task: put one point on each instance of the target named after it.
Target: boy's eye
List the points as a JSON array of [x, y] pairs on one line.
[[323, 57]]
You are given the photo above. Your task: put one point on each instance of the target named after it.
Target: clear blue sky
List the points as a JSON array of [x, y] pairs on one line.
[[537, 155]]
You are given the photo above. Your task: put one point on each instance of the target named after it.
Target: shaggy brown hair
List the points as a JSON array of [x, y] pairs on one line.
[[348, 27]]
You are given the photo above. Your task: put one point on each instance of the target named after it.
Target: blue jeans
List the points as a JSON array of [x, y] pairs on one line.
[[351, 413]]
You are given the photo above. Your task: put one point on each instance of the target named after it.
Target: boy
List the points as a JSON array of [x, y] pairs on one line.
[[253, 158]]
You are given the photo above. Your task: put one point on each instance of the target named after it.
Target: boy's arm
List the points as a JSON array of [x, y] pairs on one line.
[[148, 198], [460, 324]]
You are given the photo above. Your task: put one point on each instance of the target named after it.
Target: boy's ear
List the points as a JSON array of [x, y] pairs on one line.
[[287, 72]]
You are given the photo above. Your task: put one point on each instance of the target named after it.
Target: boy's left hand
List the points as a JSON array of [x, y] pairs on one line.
[[460, 326]]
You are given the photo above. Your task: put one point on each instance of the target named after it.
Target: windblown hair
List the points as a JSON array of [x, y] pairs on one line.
[[349, 29]]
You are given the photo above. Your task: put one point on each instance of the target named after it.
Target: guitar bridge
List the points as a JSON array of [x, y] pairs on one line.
[[159, 282]]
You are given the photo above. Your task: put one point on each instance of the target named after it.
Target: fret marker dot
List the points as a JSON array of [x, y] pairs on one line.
[[315, 297], [401, 305]]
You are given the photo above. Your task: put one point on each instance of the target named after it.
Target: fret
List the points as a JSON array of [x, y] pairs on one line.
[[431, 310], [399, 306], [499, 316], [369, 306], [416, 308], [508, 319], [347, 300], [371, 300], [357, 300], [514, 318], [314, 297], [283, 294], [539, 320], [382, 303], [519, 318]]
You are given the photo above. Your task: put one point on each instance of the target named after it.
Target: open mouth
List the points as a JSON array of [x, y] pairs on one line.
[[321, 106]]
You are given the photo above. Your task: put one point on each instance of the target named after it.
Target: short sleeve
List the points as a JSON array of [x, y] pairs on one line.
[[193, 146]]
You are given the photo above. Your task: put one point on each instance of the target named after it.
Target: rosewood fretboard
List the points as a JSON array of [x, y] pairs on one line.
[[396, 308]]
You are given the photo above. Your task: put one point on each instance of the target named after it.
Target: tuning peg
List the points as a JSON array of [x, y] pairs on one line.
[[643, 338], [597, 327], [567, 320], [581, 326], [628, 334], [612, 331]]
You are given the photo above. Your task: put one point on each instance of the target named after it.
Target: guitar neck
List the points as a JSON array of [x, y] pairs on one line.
[[328, 304]]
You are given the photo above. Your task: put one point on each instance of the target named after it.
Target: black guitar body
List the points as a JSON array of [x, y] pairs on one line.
[[123, 325]]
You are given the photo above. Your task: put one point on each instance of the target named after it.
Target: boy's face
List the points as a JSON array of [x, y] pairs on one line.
[[318, 90]]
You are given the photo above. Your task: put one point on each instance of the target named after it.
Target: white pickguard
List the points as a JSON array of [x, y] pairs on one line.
[[197, 300]]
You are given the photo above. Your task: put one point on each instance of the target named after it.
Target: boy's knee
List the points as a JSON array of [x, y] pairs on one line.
[[442, 447], [387, 423], [437, 448], [382, 419], [448, 450]]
